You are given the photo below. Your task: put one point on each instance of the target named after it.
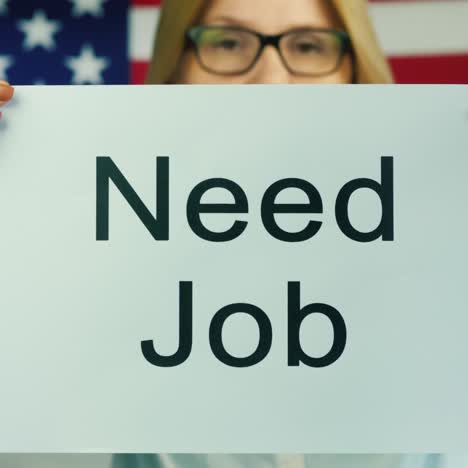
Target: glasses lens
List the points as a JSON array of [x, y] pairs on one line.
[[225, 50], [312, 52]]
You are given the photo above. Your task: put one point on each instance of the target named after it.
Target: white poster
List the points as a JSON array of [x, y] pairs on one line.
[[234, 269]]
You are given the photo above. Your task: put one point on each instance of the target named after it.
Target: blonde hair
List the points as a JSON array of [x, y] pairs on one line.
[[177, 16]]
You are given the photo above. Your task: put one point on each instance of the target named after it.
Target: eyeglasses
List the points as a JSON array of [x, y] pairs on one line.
[[226, 50]]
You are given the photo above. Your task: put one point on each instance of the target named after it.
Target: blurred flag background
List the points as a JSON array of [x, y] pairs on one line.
[[110, 41]]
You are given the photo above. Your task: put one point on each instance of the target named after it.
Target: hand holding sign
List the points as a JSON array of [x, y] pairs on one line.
[[6, 93]]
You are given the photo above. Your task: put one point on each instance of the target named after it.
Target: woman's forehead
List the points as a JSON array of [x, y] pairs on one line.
[[271, 16]]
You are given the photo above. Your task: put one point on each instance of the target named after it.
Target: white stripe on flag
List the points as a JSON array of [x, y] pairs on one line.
[[142, 24], [422, 27]]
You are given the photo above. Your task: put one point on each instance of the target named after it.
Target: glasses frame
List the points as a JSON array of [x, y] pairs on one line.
[[273, 40]]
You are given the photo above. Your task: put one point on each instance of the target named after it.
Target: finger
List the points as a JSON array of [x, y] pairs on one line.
[[6, 92]]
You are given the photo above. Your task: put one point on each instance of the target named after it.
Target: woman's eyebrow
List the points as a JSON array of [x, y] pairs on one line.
[[223, 19], [233, 21]]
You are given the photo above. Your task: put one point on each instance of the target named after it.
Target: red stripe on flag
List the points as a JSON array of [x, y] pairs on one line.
[[431, 69], [138, 71], [145, 2]]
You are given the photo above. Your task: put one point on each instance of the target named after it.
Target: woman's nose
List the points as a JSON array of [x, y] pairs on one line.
[[270, 69]]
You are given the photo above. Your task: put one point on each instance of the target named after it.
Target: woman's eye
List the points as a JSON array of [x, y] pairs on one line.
[[307, 47], [228, 44]]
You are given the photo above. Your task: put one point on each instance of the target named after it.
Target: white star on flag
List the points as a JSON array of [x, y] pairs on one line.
[[3, 7], [87, 67], [91, 7], [39, 31], [5, 62]]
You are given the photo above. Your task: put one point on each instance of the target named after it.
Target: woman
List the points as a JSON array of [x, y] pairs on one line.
[[276, 42], [175, 54], [183, 54]]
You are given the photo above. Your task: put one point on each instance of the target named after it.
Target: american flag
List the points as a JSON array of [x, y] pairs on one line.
[[110, 41]]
